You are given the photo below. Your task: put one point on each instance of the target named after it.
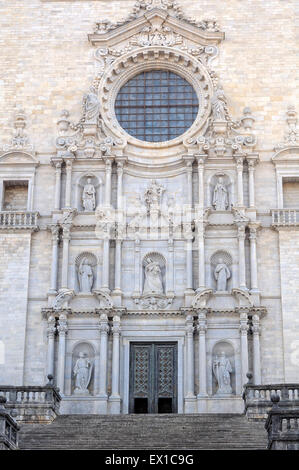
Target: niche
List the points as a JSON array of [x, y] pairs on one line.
[[83, 358], [223, 369], [86, 272], [89, 193], [154, 274], [221, 271], [220, 192]]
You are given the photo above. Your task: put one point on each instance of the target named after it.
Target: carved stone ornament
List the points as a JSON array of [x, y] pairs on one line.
[[61, 301], [153, 302], [153, 195], [291, 136], [20, 140]]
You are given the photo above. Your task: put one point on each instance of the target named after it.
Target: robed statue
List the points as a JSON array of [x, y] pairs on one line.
[[222, 369], [222, 274], [85, 276], [153, 278], [220, 196], [82, 373], [89, 196]]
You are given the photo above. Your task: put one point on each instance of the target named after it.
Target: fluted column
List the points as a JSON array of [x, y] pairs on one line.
[[68, 184], [54, 267], [189, 170], [240, 181], [202, 354], [251, 170], [62, 331], [106, 263], [256, 350], [51, 329], [190, 356], [244, 346], [253, 259], [118, 250], [242, 265], [201, 254], [104, 329], [66, 236], [115, 396], [200, 168], [108, 181], [57, 185]]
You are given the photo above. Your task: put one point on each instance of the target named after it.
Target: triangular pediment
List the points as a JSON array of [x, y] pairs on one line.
[[155, 22], [16, 157]]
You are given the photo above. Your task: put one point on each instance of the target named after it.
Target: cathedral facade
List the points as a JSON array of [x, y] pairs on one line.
[[149, 240]]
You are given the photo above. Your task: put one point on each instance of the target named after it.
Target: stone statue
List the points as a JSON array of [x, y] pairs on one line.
[[219, 105], [153, 194], [222, 274], [89, 196], [91, 107], [153, 278], [222, 369], [82, 372], [220, 196], [85, 276]]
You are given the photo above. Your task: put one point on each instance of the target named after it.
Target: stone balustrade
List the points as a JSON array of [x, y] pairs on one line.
[[8, 428], [257, 398], [282, 425], [13, 220], [33, 404], [285, 217]]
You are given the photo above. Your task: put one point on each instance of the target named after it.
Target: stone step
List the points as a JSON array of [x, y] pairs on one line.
[[145, 432]]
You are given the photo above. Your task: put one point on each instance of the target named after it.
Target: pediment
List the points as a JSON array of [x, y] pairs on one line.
[[158, 25], [18, 158], [287, 155]]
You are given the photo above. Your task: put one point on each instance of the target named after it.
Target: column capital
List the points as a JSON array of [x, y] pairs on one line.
[[241, 230], [202, 323], [66, 231], [55, 229], [244, 323], [103, 324], [62, 325], [189, 328], [200, 158], [108, 162], [51, 328], [239, 161], [57, 162], [188, 159], [256, 329], [252, 160], [254, 228]]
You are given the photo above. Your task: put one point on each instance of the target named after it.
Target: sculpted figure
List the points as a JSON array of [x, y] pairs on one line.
[[219, 105], [153, 194], [89, 196], [153, 278], [85, 275], [222, 274], [91, 107], [220, 196], [222, 369], [82, 372]]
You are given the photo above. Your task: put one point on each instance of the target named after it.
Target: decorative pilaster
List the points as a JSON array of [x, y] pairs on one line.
[[54, 267], [257, 380], [170, 270], [251, 171], [104, 330], [202, 355], [240, 180], [68, 184], [137, 267], [242, 266], [200, 168], [115, 396], [189, 169], [253, 258], [108, 172], [66, 236], [51, 330], [106, 263], [62, 331], [189, 397], [58, 165], [244, 346]]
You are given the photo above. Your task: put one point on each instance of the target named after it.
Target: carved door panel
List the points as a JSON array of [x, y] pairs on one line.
[[153, 378]]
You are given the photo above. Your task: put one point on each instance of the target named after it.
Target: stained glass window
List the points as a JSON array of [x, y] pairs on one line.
[[156, 106]]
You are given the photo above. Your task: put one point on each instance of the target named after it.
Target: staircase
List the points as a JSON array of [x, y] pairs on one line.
[[217, 431]]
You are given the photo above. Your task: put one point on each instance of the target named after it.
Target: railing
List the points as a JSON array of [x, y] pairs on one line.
[[18, 220], [282, 425], [285, 217], [8, 428], [32, 403], [257, 398]]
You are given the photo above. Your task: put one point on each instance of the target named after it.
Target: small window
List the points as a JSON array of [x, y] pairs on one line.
[[291, 193], [15, 195]]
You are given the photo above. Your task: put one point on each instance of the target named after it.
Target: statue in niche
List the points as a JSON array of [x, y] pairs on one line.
[[82, 373], [89, 196], [218, 103], [222, 369], [91, 107], [222, 274], [153, 278], [153, 195], [85, 275], [220, 196]]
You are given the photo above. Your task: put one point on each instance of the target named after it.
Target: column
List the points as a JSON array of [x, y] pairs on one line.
[[189, 265], [201, 254], [253, 260], [240, 181], [51, 338], [106, 263], [189, 162], [108, 181], [54, 266], [257, 380], [117, 280], [190, 357], [170, 270], [115, 397], [242, 268], [66, 236], [68, 184], [57, 184], [104, 329], [120, 172], [200, 166], [202, 354], [251, 165], [244, 347], [137, 274], [62, 331]]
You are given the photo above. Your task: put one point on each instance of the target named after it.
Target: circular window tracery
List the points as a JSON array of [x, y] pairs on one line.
[[156, 106]]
